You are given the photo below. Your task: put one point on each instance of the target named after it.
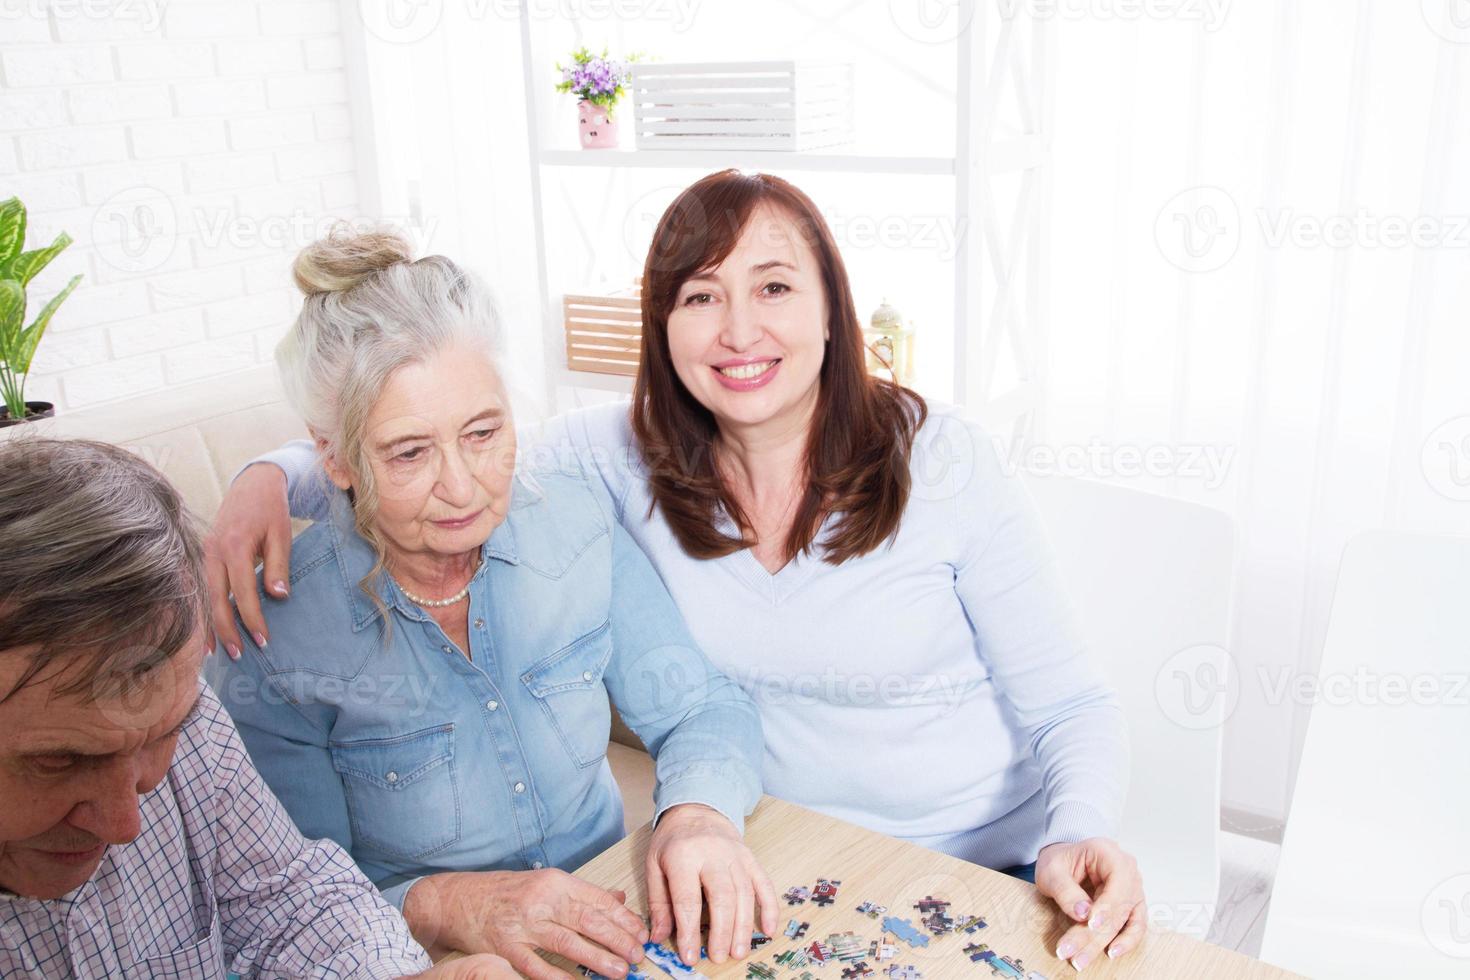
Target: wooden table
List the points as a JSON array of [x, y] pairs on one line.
[[797, 846]]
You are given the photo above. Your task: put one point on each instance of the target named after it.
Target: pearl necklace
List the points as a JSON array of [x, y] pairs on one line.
[[438, 603]]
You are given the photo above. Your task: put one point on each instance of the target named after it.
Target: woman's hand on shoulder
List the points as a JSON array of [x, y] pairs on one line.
[[1097, 885], [253, 524], [695, 852]]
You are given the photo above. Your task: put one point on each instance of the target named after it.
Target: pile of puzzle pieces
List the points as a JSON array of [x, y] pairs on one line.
[[851, 952]]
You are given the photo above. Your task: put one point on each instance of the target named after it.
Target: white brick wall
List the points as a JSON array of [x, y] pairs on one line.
[[191, 147]]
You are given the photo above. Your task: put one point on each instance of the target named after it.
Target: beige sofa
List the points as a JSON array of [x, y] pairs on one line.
[[200, 435]]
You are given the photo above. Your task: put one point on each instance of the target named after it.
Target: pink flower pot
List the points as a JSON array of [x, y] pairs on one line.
[[595, 131]]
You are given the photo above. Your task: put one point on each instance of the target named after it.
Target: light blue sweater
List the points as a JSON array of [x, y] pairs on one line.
[[935, 690]]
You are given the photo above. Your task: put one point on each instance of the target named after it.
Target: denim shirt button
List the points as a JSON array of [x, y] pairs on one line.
[[445, 648], [537, 865], [519, 787], [479, 624], [392, 777], [586, 675], [491, 705]]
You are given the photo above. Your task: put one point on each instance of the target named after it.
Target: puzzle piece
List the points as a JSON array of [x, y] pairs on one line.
[[797, 895], [793, 959], [846, 946], [758, 939], [904, 929], [633, 974], [880, 950], [858, 971], [826, 891], [819, 952], [905, 972], [796, 930], [760, 971], [667, 960], [930, 904], [938, 922], [970, 924], [872, 911]]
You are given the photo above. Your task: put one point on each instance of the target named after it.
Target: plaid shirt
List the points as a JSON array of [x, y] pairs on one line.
[[218, 878]]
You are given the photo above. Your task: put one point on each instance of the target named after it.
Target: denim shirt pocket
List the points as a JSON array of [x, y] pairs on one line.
[[402, 793], [568, 686]]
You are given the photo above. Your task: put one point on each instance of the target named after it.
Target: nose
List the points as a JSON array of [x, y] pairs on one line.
[[111, 814], [740, 328], [456, 479]]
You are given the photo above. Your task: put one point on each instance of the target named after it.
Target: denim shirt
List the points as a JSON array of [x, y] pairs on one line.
[[418, 760]]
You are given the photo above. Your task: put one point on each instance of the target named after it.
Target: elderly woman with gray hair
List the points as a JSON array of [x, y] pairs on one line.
[[436, 697]]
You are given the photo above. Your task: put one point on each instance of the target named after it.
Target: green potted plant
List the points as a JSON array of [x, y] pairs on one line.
[[18, 340]]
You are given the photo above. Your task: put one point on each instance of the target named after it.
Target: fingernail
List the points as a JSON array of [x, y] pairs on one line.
[[259, 640], [1095, 921], [1065, 950], [689, 958], [233, 651], [1081, 962], [279, 587], [1083, 907], [1114, 952], [739, 951]]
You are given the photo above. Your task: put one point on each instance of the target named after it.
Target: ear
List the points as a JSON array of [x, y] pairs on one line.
[[340, 476]]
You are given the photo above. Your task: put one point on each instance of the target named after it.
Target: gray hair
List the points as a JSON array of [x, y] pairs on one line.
[[101, 564], [370, 309]]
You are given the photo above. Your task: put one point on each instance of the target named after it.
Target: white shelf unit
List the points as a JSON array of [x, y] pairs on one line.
[[1002, 55]]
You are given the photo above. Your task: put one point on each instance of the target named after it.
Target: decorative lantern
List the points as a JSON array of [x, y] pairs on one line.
[[890, 345]]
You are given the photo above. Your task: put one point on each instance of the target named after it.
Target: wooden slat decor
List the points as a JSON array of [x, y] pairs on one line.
[[750, 105], [603, 332]]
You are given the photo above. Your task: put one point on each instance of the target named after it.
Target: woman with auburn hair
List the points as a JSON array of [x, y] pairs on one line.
[[857, 560]]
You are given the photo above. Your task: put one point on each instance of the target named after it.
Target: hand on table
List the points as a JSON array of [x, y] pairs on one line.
[[483, 966], [515, 913], [697, 856], [253, 522], [1096, 884]]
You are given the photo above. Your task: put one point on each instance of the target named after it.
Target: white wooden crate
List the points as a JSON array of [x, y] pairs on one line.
[[742, 105]]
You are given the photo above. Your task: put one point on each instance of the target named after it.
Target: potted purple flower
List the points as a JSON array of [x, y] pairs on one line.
[[598, 82]]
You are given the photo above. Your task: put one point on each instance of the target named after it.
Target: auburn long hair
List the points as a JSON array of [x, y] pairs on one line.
[[862, 433]]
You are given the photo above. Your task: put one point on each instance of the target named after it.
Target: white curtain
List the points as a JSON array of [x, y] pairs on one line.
[[1261, 275]]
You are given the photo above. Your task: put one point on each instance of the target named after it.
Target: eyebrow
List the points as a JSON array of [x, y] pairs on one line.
[[709, 274], [87, 753], [486, 413]]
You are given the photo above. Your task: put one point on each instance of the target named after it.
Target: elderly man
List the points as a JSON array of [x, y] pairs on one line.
[[136, 838]]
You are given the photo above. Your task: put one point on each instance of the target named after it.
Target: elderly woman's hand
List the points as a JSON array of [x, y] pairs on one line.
[[253, 523], [1096, 884], [515, 913], [482, 966], [695, 850]]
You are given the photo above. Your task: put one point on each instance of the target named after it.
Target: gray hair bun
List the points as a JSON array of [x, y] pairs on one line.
[[347, 256]]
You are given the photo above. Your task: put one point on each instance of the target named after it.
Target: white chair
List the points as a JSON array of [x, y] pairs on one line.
[[1150, 577], [1374, 877]]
